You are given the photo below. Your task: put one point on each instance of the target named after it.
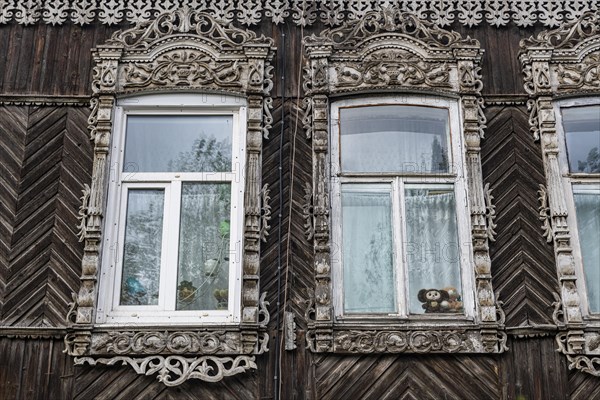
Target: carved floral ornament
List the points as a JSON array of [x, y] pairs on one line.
[[301, 12], [394, 52], [559, 63], [180, 51]]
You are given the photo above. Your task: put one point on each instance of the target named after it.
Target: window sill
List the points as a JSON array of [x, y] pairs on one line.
[[373, 338]]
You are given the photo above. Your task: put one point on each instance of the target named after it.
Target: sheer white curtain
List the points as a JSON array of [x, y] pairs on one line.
[[432, 248], [588, 224], [369, 283]]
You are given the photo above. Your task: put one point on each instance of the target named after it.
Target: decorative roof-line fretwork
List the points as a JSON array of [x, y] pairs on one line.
[[332, 13]]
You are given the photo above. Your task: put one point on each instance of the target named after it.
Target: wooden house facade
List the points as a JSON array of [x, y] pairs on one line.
[[96, 306]]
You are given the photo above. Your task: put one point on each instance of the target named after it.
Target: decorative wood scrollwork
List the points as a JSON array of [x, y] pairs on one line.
[[490, 213], [560, 62], [391, 51], [180, 50], [265, 212], [302, 12], [174, 370], [544, 212]]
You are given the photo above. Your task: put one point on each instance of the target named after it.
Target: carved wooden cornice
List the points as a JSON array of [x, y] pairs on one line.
[[470, 13], [32, 332], [42, 100]]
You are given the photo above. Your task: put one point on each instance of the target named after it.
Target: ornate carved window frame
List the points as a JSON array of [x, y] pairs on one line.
[[389, 52], [183, 51], [560, 64]]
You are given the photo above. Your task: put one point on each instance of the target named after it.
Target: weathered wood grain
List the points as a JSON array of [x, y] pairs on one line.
[[523, 269], [41, 260]]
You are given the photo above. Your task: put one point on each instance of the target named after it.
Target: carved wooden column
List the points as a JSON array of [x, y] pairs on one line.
[[474, 123], [319, 90], [538, 83]]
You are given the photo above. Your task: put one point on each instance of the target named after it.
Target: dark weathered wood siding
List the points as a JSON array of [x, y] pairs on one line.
[[45, 159]]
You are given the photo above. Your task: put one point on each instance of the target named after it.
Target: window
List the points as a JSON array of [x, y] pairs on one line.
[[400, 221], [172, 252], [580, 167]]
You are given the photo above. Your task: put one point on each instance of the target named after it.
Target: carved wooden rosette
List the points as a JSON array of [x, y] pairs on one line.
[[392, 52], [561, 62], [189, 51]]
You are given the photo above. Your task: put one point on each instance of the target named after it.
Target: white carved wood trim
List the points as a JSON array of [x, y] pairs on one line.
[[370, 56], [470, 13], [175, 370], [178, 51], [559, 63]]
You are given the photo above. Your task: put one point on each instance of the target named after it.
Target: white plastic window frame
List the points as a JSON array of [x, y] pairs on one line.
[[569, 180], [109, 312], [456, 177]]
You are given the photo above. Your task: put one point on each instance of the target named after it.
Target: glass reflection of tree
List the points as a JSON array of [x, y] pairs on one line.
[[591, 164], [142, 253], [205, 228], [378, 260], [439, 159]]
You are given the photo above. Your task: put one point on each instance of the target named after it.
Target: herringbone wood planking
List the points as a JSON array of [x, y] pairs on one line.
[[402, 376], [42, 256], [523, 269], [13, 125], [122, 383], [583, 386]]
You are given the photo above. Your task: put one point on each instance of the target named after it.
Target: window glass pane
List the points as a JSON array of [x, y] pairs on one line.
[[587, 205], [367, 249], [432, 251], [203, 277], [582, 130], [394, 138], [190, 143], [142, 250]]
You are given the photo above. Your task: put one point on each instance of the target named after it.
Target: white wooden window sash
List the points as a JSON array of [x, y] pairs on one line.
[[109, 311], [455, 179], [574, 182]]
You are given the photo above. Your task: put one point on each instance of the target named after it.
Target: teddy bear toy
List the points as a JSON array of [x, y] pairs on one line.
[[455, 303], [434, 300]]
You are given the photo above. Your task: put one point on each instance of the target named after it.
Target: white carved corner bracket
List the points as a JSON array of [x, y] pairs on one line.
[[175, 370]]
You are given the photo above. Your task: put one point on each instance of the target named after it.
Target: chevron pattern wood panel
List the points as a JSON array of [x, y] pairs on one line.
[[122, 383], [296, 255], [583, 386], [407, 377], [48, 159], [523, 269]]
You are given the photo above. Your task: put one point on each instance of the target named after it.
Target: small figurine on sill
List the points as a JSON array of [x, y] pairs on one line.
[[433, 300], [446, 300], [455, 304], [186, 292]]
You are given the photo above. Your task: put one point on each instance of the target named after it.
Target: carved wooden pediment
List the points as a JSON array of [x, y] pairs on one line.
[[179, 51]]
